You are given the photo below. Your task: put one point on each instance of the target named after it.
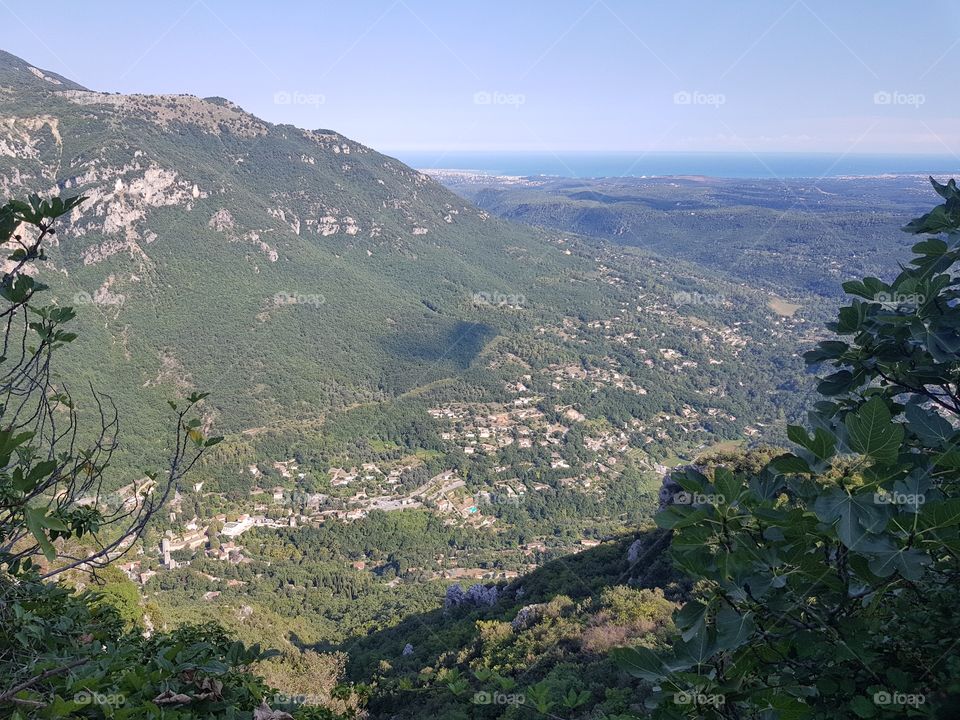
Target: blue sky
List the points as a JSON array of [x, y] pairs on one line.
[[557, 75]]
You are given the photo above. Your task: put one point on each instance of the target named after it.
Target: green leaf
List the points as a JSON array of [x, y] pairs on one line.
[[863, 707], [839, 382], [36, 524], [941, 219], [690, 618], [727, 484], [674, 517], [928, 425], [873, 433], [823, 445], [640, 662], [827, 350], [932, 246], [948, 191], [733, 629], [855, 517], [936, 515], [910, 563], [790, 464], [700, 648]]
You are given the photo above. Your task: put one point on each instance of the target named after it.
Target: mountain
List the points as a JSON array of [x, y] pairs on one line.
[[286, 271]]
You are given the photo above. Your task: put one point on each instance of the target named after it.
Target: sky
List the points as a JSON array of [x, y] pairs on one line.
[[533, 75]]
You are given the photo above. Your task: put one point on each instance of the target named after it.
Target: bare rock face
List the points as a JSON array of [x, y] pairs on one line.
[[669, 489], [482, 596], [43, 76], [527, 616], [24, 138], [221, 220], [454, 597], [118, 205], [476, 596]]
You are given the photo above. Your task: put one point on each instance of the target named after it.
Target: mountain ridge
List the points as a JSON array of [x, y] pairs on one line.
[[276, 212], [18, 71]]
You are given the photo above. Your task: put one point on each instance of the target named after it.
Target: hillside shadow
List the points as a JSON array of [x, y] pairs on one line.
[[435, 348], [578, 576], [436, 341]]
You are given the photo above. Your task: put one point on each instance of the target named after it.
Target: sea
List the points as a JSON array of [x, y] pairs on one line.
[[654, 164]]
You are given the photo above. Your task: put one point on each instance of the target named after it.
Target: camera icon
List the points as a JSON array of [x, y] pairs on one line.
[[482, 698], [482, 97], [282, 98]]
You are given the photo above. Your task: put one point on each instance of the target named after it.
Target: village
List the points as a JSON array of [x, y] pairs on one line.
[[354, 492], [528, 427]]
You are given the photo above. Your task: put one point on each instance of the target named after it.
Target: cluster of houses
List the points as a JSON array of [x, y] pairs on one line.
[[368, 472], [444, 492], [489, 427]]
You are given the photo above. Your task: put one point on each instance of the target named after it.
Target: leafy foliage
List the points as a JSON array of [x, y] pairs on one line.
[[69, 653], [826, 582]]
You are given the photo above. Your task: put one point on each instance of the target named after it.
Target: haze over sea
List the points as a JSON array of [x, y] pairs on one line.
[[718, 164]]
